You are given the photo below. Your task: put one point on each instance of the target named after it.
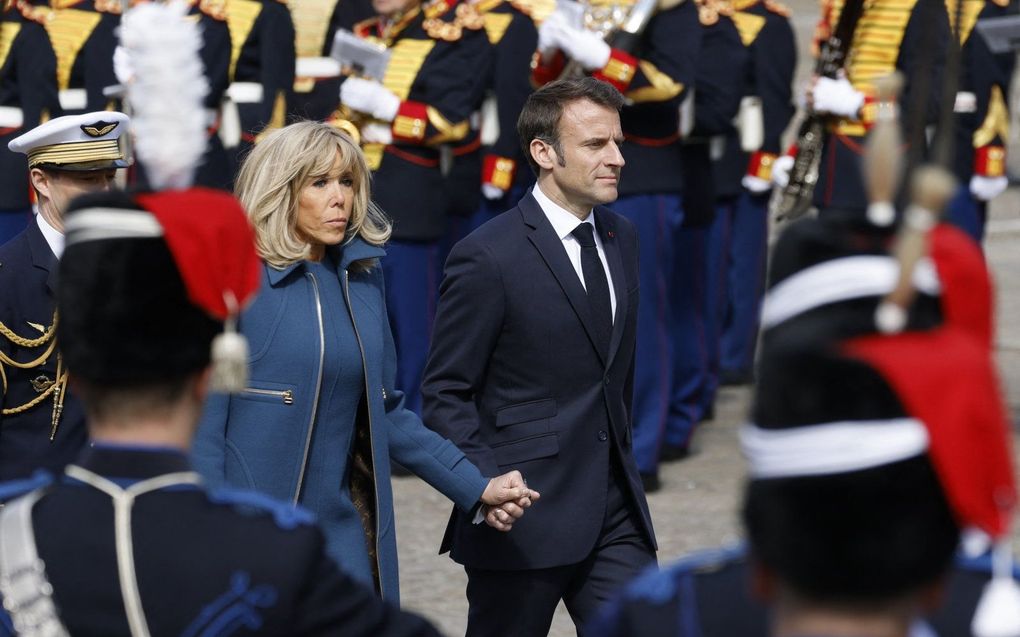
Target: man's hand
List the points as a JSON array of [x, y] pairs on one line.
[[506, 497]]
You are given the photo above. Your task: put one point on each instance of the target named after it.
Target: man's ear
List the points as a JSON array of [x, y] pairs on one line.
[[543, 153], [40, 181]]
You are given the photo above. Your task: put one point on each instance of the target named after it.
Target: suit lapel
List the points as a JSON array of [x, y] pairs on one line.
[[555, 256], [607, 232], [42, 256]]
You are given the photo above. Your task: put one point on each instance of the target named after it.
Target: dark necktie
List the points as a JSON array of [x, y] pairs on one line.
[[596, 284]]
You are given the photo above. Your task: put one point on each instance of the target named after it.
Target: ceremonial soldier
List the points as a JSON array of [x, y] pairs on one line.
[[489, 174], [910, 36], [262, 60], [982, 118], [435, 78], [697, 268], [743, 179], [28, 94], [41, 423], [867, 455], [127, 541], [654, 67]]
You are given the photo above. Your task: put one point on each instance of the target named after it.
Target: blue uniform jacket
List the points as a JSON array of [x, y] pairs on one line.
[[258, 439]]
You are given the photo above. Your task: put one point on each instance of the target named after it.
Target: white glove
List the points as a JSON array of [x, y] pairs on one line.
[[492, 193], [987, 188], [836, 96], [371, 97], [376, 133], [781, 170], [757, 185], [584, 47], [122, 67]]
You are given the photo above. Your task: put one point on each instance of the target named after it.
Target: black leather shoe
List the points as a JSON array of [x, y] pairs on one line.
[[651, 482]]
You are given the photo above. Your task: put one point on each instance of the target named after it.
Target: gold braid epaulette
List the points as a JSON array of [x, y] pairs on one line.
[[465, 17], [57, 389]]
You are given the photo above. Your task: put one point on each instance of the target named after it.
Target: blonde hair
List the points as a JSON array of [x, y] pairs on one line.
[[283, 163]]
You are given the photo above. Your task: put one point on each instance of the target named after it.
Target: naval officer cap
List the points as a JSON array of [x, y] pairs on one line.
[[92, 141]]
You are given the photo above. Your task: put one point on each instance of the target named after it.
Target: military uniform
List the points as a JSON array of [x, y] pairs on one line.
[[28, 94], [981, 115], [889, 37], [201, 563], [261, 72], [656, 78], [741, 226], [697, 267], [440, 54], [42, 425]]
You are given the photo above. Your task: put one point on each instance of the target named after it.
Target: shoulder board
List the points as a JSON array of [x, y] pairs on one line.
[[779, 8], [440, 27], [18, 488], [112, 7], [286, 516], [215, 9]]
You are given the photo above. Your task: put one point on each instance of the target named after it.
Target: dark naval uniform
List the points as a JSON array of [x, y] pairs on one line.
[[889, 37], [655, 78], [981, 114], [708, 594], [697, 267], [491, 154], [440, 55], [28, 92], [739, 233], [200, 563], [42, 425], [262, 62]]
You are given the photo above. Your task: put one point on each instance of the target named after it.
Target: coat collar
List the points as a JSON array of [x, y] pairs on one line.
[[42, 256], [357, 249]]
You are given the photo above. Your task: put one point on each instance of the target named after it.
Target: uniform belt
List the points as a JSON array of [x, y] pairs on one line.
[[318, 68], [411, 157], [73, 99], [11, 117], [245, 92]]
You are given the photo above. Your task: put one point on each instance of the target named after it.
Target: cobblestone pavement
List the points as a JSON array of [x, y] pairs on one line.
[[697, 506]]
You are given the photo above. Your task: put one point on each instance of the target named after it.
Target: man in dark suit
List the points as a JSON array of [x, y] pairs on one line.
[[41, 424], [532, 368]]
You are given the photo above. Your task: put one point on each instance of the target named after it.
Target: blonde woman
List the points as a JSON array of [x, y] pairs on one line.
[[320, 419]]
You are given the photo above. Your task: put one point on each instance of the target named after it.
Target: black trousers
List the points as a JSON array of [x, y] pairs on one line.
[[522, 603]]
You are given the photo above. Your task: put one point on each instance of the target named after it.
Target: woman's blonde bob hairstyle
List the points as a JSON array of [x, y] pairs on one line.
[[283, 163]]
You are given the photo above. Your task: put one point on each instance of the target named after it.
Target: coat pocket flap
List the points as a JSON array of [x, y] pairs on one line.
[[525, 412], [531, 448]]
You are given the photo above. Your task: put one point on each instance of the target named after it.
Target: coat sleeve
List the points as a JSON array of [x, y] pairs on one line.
[[464, 334], [36, 73], [208, 450], [428, 454]]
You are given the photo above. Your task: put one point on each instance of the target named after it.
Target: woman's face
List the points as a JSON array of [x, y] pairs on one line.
[[324, 209]]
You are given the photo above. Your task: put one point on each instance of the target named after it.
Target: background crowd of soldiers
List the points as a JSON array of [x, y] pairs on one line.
[[710, 95]]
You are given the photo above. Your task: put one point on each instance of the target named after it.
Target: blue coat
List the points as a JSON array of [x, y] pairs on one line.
[[259, 439]]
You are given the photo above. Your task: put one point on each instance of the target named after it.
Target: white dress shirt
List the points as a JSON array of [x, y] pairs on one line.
[[564, 223], [54, 238]]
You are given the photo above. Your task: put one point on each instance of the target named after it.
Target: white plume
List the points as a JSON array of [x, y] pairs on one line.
[[165, 91]]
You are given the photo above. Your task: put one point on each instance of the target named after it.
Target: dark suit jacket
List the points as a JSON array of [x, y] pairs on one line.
[[515, 379], [28, 271]]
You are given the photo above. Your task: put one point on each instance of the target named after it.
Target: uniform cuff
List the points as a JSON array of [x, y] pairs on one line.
[[760, 165], [619, 70], [411, 122], [545, 70], [990, 161], [498, 171]]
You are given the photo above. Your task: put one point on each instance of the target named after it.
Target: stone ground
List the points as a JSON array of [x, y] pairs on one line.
[[697, 506]]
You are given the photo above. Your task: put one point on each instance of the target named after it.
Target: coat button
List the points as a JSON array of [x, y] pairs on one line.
[[603, 436]]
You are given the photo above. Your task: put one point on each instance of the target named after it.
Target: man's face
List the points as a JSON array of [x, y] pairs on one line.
[[587, 172], [390, 8], [58, 187]]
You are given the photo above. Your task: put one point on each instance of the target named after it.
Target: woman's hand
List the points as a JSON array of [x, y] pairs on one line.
[[506, 497]]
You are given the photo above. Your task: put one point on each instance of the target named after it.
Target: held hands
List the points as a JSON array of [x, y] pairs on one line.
[[371, 97], [584, 47], [505, 499], [835, 97]]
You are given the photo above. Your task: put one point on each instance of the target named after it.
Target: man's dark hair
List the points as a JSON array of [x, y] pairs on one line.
[[126, 325], [540, 117]]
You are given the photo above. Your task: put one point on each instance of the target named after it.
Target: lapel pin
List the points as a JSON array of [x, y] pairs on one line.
[[611, 234]]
